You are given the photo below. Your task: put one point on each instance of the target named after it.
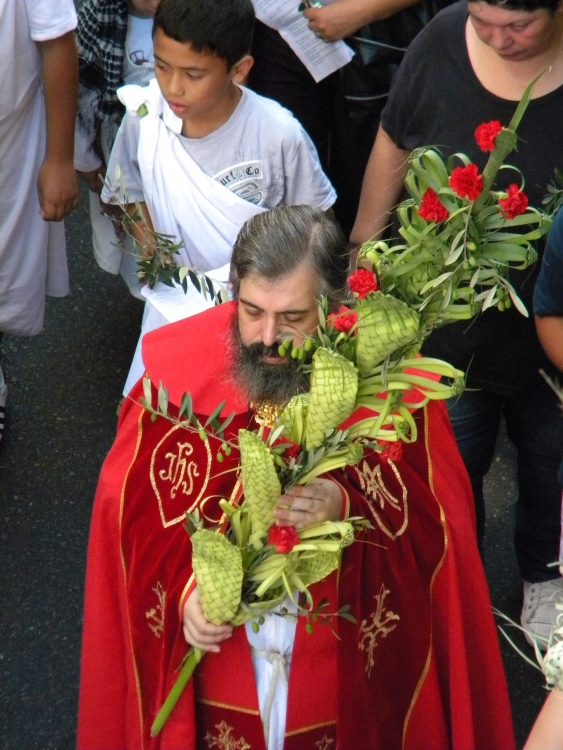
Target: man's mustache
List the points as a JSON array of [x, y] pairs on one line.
[[259, 350]]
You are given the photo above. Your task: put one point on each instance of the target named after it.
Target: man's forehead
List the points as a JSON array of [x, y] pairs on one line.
[[294, 292]]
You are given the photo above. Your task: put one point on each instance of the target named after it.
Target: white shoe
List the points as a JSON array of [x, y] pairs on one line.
[[539, 612], [3, 398]]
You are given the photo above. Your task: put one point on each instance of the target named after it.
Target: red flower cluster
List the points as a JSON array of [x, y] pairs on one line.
[[392, 451], [431, 209], [486, 133], [343, 322], [514, 204], [362, 282], [466, 182], [291, 451], [283, 538]]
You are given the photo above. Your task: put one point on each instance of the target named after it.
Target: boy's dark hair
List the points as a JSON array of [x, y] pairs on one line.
[[528, 5], [220, 27]]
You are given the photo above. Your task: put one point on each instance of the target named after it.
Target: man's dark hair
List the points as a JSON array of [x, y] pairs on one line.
[[275, 243], [528, 5], [219, 27]]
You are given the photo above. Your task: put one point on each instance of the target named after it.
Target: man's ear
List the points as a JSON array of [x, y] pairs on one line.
[[241, 69]]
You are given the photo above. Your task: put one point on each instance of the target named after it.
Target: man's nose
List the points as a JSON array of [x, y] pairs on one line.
[[270, 332]]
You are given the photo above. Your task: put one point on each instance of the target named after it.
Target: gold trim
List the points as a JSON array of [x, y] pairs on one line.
[[250, 711], [166, 524], [375, 491], [424, 674], [121, 504], [310, 728]]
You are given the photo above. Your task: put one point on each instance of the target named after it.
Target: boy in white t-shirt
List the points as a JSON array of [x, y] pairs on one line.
[[114, 41], [200, 153]]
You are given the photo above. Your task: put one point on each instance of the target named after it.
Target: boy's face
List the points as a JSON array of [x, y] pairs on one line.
[[197, 86]]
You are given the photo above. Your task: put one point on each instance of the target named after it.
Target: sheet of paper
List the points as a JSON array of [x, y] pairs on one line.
[[175, 304], [320, 58]]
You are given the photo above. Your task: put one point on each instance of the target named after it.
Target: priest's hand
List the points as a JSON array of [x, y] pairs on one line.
[[198, 631], [309, 504]]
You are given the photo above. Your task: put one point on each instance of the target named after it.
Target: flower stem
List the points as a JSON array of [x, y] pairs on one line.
[[192, 660]]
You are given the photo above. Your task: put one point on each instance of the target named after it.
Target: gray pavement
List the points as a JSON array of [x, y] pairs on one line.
[[64, 388]]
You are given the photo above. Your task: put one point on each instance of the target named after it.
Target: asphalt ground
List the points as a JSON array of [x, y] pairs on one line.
[[64, 386]]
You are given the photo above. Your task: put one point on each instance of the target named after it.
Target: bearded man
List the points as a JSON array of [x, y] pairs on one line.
[[420, 666]]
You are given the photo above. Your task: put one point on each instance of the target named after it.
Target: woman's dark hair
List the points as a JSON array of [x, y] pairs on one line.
[[528, 5], [275, 243], [220, 27]]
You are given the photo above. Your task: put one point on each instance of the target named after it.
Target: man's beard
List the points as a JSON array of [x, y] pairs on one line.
[[263, 382]]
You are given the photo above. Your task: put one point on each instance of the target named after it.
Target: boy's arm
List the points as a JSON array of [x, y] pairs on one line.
[[56, 183], [142, 228], [381, 189], [344, 17]]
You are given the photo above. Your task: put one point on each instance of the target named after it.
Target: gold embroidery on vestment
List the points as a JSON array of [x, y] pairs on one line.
[[178, 474], [379, 627], [155, 615], [377, 494], [325, 743], [225, 740]]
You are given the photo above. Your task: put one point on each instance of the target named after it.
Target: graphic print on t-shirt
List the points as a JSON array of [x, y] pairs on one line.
[[245, 180]]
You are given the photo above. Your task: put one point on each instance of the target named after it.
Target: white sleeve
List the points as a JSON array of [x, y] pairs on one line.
[[123, 176], [305, 181], [50, 19]]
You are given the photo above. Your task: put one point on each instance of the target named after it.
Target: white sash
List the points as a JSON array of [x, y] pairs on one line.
[[182, 200]]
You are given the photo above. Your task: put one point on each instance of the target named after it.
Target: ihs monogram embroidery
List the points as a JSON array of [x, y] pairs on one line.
[[155, 616], [379, 627], [180, 471], [376, 492], [224, 740]]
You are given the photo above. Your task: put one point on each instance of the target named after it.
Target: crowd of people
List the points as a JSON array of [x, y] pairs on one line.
[[191, 120]]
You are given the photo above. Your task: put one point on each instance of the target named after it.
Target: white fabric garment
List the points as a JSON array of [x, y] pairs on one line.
[[32, 251], [182, 200], [271, 648]]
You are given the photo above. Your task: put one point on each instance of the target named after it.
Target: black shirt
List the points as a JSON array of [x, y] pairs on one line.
[[437, 100]]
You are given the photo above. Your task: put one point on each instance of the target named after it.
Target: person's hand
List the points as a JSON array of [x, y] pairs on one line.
[[335, 21], [57, 188], [94, 179], [309, 504], [198, 631]]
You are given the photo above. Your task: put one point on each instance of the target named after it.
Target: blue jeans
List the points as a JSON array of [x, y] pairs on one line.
[[534, 425]]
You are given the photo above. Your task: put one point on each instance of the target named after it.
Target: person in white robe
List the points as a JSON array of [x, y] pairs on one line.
[[38, 187]]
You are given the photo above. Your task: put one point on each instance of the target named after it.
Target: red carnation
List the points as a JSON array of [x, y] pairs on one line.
[[344, 322], [291, 449], [486, 133], [283, 538], [514, 204], [431, 209], [466, 182], [362, 282], [392, 451]]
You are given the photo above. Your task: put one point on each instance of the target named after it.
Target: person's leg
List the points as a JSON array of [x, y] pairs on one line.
[[475, 418], [535, 425]]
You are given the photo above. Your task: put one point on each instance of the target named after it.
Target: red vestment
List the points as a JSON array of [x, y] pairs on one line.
[[420, 669]]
